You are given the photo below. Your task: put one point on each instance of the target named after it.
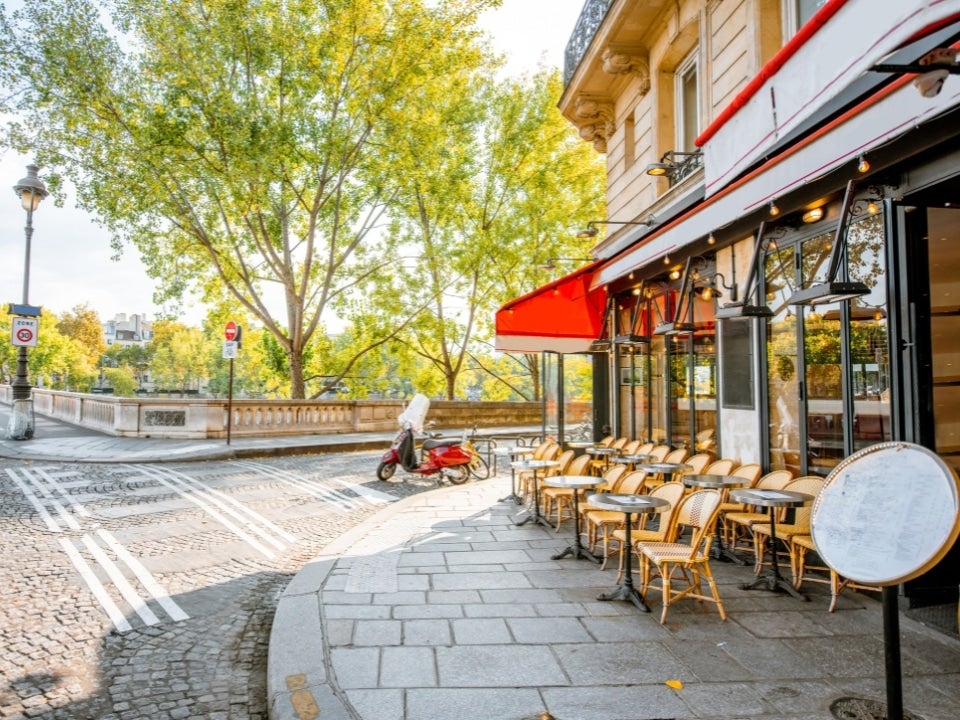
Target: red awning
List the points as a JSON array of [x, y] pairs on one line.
[[564, 316]]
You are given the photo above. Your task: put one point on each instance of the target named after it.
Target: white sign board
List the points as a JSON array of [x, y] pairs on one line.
[[23, 331], [887, 514], [229, 349]]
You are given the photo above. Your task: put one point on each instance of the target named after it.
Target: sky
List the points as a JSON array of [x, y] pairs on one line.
[[71, 259]]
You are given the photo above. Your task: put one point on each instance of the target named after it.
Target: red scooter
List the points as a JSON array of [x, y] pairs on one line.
[[438, 456]]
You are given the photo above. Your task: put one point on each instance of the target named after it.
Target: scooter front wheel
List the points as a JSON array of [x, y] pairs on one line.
[[385, 470], [479, 468], [457, 474]]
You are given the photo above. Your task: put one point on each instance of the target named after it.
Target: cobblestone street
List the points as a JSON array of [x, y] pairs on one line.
[[148, 591]]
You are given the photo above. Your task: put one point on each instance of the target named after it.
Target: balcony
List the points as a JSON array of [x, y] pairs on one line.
[[591, 17]]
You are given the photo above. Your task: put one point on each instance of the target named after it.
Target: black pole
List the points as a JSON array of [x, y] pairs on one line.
[[230, 403], [891, 652]]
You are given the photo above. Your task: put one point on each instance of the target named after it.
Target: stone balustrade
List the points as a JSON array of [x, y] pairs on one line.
[[207, 417]]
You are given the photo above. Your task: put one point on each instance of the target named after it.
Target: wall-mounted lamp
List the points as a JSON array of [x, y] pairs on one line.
[[682, 322], [833, 290], [862, 164], [735, 310], [774, 210], [813, 215], [675, 165], [591, 229], [711, 239]]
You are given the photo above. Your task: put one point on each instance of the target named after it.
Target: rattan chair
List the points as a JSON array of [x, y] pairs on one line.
[[600, 524], [681, 566], [699, 461], [800, 548], [736, 522], [799, 523], [671, 492], [560, 500]]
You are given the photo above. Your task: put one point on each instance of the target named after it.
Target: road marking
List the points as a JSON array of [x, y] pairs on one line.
[[99, 592], [209, 501], [320, 491], [120, 582], [39, 488], [37, 505], [146, 579]]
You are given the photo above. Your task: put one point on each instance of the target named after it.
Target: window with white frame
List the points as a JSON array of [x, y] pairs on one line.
[[688, 104], [797, 12]]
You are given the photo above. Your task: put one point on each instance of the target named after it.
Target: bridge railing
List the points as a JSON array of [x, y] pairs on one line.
[[207, 417]]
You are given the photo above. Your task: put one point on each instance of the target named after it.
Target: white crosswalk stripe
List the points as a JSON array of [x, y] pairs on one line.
[[45, 493]]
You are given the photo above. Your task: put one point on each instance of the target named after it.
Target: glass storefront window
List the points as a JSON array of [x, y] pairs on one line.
[[809, 431], [869, 347]]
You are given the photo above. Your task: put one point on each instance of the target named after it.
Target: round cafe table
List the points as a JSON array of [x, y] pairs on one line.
[[773, 499], [603, 452], [575, 483], [723, 483], [513, 453], [631, 459], [534, 466], [629, 505], [663, 468]]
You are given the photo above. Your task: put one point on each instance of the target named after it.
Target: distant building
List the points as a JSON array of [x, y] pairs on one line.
[[126, 331], [135, 330]]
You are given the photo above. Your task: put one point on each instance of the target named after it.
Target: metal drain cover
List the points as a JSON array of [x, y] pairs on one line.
[[851, 708]]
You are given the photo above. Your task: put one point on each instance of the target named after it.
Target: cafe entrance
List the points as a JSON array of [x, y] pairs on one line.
[[930, 248]]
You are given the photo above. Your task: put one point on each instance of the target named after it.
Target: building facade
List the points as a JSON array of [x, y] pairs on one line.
[[777, 275]]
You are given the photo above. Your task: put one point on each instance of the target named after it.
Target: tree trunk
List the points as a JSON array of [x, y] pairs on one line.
[[451, 386], [297, 386]]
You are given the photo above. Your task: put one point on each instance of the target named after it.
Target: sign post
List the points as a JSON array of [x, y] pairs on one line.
[[233, 334]]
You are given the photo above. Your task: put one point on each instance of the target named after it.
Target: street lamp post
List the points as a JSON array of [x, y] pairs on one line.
[[31, 191]]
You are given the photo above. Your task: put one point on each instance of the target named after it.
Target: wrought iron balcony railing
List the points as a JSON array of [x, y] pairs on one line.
[[591, 17]]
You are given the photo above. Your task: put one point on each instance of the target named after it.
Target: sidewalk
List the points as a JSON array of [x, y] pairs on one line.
[[440, 607]]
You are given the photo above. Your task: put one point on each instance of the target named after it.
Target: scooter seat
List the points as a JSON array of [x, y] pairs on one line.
[[431, 443]]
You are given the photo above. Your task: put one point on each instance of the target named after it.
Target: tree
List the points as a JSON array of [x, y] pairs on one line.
[[83, 325], [179, 356], [243, 147], [483, 206]]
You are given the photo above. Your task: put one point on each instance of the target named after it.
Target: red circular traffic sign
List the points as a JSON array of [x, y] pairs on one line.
[[24, 334], [230, 331]]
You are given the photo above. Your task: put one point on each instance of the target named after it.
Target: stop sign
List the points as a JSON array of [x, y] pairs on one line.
[[230, 331]]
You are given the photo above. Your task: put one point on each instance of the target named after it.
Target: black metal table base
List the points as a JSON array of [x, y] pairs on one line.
[[774, 583], [512, 497], [576, 551], [625, 591], [534, 514]]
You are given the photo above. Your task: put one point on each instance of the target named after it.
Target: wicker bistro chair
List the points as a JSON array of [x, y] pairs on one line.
[[547, 450], [612, 478], [674, 562], [560, 500], [737, 520], [659, 452], [799, 525], [645, 448], [601, 523], [800, 548], [671, 492], [679, 455], [723, 466], [699, 461]]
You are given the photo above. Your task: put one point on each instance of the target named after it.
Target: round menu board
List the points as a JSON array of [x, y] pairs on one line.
[[886, 514]]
